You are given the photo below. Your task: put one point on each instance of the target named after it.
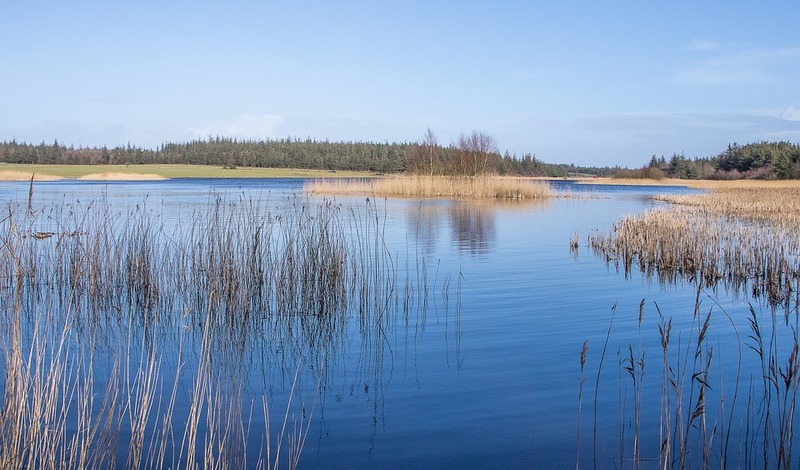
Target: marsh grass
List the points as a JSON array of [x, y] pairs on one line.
[[125, 343], [449, 187], [746, 240], [743, 239]]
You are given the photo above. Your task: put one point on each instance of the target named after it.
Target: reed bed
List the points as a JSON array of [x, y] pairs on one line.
[[743, 239], [746, 240], [449, 187], [712, 404], [126, 344], [775, 205]]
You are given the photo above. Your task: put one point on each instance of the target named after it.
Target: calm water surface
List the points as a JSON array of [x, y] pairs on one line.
[[487, 374]]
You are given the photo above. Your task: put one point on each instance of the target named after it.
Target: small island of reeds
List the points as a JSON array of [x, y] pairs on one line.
[[436, 186]]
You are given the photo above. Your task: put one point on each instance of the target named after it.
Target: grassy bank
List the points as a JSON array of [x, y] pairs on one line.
[[9, 172], [446, 187]]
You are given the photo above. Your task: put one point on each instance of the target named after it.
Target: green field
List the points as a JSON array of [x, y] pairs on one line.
[[171, 171]]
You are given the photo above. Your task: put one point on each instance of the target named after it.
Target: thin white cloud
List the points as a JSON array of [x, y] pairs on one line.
[[248, 126], [745, 67], [715, 75], [791, 113], [678, 122]]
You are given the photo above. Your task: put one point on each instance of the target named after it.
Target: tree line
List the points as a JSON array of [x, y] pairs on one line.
[[278, 153], [758, 160], [471, 154]]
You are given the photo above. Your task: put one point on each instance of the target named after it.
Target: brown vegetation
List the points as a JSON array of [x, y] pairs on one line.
[[13, 175], [711, 411], [448, 187], [746, 239]]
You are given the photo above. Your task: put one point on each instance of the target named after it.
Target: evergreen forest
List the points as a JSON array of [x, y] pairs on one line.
[[471, 154], [375, 157], [759, 160]]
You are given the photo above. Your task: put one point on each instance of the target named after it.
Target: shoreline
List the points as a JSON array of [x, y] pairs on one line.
[[24, 172], [694, 184]]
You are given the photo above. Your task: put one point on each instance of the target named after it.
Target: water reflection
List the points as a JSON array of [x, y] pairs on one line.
[[473, 228], [471, 225]]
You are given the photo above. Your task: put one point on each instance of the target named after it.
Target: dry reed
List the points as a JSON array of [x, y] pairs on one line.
[[94, 307], [701, 424], [744, 239], [449, 187]]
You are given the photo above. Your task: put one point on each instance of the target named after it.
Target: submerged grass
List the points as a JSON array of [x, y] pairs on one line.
[[124, 343], [449, 187]]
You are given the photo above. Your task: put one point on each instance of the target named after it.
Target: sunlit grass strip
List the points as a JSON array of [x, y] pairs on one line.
[[694, 245], [449, 187], [22, 172]]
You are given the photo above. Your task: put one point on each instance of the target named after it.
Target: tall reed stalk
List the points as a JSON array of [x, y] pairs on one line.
[[696, 420], [125, 343]]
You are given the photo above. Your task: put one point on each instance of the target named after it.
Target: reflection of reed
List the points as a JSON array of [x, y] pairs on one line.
[[121, 341]]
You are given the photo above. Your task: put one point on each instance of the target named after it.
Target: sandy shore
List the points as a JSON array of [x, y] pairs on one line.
[[121, 177], [13, 175]]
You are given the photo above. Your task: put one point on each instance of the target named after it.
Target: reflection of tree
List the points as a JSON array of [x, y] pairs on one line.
[[472, 225], [473, 228], [423, 224]]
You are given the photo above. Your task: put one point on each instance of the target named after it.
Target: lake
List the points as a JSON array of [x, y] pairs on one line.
[[472, 359]]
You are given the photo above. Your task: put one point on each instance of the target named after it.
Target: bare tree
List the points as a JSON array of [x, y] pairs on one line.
[[426, 157], [476, 153], [430, 146]]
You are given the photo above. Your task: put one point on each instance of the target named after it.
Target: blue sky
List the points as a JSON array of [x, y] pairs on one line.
[[585, 82]]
